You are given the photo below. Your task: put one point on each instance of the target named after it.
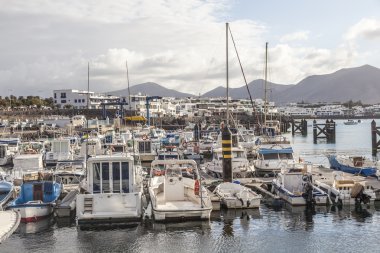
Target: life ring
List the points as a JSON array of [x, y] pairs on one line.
[[196, 187]]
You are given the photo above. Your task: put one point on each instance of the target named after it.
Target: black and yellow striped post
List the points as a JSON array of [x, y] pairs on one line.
[[227, 154]]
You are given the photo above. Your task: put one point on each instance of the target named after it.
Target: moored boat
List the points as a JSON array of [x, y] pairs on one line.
[[271, 158], [357, 165], [176, 191], [295, 186], [36, 200], [113, 191], [234, 195], [6, 191], [347, 191], [350, 122]]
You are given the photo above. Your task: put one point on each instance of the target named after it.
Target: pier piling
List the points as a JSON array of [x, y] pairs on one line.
[[375, 131], [299, 127], [324, 131]]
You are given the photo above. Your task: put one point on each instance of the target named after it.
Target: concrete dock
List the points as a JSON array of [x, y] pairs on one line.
[[9, 221]]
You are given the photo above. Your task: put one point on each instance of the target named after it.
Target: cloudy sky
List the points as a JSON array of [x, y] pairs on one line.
[[179, 44]]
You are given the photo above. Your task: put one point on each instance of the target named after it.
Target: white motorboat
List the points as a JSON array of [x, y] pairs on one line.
[[176, 191], [271, 158], [350, 122], [24, 164], [60, 150], [147, 148], [113, 191], [233, 195], [5, 154], [8, 148], [241, 167], [295, 186], [346, 191], [70, 173]]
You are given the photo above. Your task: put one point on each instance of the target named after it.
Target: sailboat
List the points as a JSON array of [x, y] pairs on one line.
[[234, 195], [274, 152]]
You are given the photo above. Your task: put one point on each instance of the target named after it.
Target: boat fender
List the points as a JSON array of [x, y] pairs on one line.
[[248, 203], [196, 187], [242, 202]]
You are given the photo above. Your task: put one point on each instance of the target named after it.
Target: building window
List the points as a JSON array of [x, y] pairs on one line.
[[55, 101], [63, 95], [75, 100], [82, 100], [55, 95], [63, 101]]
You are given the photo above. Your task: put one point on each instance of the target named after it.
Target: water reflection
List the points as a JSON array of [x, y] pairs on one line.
[[233, 217], [361, 213], [179, 226], [36, 227], [65, 221]]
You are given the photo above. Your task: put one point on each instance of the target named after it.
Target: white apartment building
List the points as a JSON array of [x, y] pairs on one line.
[[78, 99], [138, 103]]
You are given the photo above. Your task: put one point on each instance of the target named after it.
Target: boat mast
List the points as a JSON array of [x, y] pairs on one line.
[[88, 85], [129, 91], [265, 84], [228, 105], [88, 105]]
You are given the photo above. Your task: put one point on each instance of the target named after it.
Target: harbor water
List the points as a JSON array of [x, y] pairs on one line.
[[268, 229]]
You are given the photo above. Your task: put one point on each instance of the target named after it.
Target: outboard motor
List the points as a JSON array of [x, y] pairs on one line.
[[308, 191], [359, 195]]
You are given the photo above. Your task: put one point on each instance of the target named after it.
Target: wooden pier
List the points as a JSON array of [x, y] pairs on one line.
[[324, 131], [299, 127]]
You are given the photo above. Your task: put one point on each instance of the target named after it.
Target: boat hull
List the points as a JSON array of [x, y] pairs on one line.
[[170, 215], [108, 208], [364, 171], [33, 212], [298, 200], [5, 160], [234, 203], [6, 193]]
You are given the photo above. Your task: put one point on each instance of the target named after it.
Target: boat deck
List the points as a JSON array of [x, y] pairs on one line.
[[9, 221], [177, 205], [325, 175]]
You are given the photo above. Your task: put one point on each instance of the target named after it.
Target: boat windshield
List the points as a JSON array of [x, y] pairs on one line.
[[238, 154], [170, 171]]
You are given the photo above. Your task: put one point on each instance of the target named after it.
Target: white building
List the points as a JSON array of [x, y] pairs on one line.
[[78, 99]]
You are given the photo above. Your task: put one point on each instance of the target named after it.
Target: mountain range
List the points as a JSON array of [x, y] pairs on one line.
[[360, 83]]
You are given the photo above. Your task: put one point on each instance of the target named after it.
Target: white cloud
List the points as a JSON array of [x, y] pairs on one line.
[[177, 43], [367, 28], [296, 36]]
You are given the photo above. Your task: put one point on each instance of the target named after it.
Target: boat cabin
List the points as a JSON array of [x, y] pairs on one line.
[[110, 174], [357, 161], [275, 154], [236, 153]]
